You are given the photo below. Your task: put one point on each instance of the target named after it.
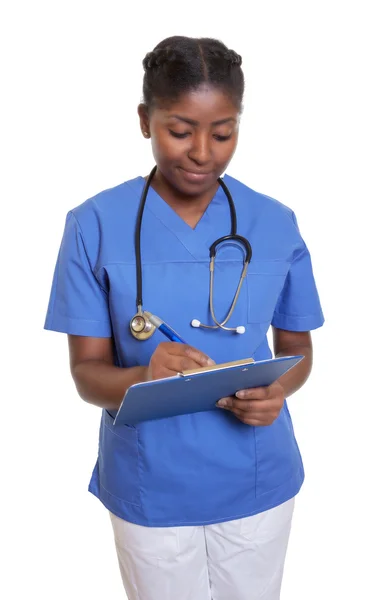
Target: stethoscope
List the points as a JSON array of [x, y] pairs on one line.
[[141, 326]]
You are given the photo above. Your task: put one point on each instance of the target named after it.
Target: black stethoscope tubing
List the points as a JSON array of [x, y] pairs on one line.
[[212, 251]]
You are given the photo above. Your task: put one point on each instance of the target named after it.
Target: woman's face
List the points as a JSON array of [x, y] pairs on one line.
[[193, 139]]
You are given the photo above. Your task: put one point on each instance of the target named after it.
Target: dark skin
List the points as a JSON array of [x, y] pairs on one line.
[[208, 122], [188, 167]]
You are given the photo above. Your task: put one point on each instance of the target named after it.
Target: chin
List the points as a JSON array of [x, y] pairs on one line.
[[190, 187]]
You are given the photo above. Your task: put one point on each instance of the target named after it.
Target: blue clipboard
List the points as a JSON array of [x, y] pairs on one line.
[[198, 391]]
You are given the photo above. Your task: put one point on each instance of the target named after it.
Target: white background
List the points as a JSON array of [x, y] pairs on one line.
[[71, 80]]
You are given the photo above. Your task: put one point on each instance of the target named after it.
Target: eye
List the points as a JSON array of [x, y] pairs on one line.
[[222, 138], [180, 136]]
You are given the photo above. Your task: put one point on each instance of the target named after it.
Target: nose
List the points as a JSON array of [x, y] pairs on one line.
[[200, 151]]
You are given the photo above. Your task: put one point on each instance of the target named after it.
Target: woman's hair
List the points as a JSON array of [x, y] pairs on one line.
[[178, 65]]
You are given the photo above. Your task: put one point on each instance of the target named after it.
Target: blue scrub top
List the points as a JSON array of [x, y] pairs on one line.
[[207, 467]]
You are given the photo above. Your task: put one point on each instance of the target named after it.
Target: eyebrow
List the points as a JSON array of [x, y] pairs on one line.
[[192, 122]]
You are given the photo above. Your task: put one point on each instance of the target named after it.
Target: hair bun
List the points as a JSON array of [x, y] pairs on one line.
[[233, 58], [148, 60]]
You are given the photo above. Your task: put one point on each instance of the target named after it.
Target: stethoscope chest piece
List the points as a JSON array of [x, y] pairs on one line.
[[140, 326]]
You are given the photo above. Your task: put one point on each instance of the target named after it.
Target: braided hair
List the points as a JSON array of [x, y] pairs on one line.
[[178, 65]]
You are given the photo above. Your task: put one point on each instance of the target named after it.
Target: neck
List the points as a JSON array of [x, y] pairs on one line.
[[189, 208]]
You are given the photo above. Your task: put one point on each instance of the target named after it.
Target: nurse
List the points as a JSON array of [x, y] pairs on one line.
[[201, 504]]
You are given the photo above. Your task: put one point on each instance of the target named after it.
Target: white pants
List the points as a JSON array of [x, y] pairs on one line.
[[237, 560]]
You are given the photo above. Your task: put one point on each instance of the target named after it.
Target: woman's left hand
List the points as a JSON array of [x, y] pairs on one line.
[[256, 406]]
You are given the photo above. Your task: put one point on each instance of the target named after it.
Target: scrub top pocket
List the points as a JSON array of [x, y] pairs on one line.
[[265, 281], [119, 460]]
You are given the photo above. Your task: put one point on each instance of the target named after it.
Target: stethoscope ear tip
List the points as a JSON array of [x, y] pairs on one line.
[[240, 329], [195, 323]]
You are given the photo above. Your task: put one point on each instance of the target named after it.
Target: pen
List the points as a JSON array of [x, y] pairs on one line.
[[166, 329]]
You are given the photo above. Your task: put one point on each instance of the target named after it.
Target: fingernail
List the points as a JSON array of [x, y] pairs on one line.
[[242, 394], [222, 403], [210, 362]]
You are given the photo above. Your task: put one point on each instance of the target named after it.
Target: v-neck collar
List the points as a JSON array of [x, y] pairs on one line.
[[197, 240]]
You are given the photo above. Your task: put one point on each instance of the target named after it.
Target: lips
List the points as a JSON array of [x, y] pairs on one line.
[[195, 176], [197, 172]]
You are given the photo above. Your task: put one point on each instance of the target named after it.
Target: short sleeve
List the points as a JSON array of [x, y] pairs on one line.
[[298, 307], [78, 304]]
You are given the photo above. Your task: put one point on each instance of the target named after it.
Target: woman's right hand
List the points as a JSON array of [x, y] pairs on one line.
[[170, 358]]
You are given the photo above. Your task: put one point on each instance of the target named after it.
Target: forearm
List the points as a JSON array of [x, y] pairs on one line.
[[103, 384], [298, 375]]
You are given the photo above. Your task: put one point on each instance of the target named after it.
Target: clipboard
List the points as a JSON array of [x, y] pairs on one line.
[[199, 390]]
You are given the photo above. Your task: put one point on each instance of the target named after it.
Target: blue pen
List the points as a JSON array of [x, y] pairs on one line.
[[166, 329]]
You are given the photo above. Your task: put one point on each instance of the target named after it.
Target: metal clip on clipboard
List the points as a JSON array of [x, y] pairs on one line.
[[226, 365]]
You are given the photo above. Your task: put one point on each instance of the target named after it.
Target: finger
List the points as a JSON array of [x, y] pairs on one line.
[[259, 393], [162, 372], [249, 414], [256, 417], [201, 359], [249, 419], [225, 402], [248, 405], [178, 364]]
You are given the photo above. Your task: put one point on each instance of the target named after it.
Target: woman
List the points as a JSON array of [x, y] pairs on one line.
[[201, 504]]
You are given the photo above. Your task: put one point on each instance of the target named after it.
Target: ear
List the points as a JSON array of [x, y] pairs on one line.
[[142, 111]]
